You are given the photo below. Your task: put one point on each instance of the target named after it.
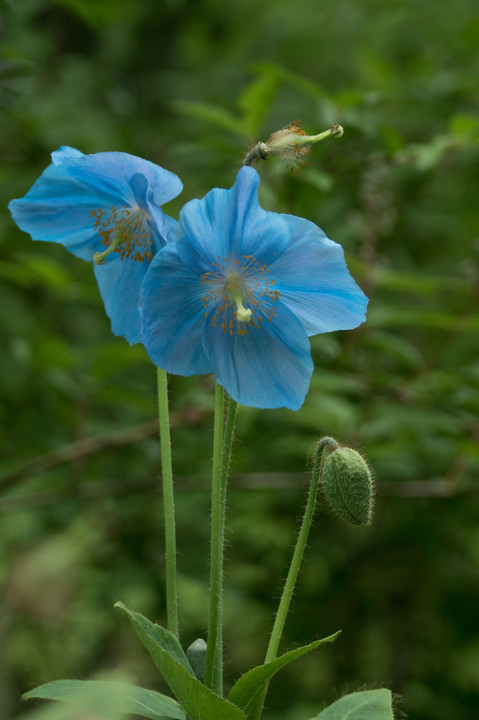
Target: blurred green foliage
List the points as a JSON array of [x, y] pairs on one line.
[[189, 85]]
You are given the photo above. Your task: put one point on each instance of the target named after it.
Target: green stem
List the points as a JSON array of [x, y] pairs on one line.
[[168, 503], [228, 446], [214, 652], [225, 466], [290, 583]]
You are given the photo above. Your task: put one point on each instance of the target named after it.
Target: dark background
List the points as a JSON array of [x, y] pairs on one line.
[[189, 85]]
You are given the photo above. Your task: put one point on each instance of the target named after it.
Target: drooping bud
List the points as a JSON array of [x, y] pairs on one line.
[[348, 486], [196, 654]]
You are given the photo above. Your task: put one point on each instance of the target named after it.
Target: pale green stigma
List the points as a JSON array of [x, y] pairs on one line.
[[234, 288], [100, 257], [242, 314]]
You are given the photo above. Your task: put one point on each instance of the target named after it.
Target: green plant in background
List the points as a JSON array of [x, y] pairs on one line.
[[229, 289], [79, 463]]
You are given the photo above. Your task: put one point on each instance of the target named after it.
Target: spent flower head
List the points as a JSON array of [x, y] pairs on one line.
[[291, 144]]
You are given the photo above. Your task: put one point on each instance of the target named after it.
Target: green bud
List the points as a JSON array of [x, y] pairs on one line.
[[348, 486], [196, 654]]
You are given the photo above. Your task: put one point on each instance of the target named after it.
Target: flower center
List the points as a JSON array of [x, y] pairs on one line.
[[125, 231], [231, 284], [234, 289]]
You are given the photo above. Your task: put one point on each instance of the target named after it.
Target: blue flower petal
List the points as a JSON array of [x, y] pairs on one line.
[[140, 186], [173, 315], [269, 367], [65, 152], [314, 282], [230, 221], [159, 223], [111, 172], [58, 209], [119, 281], [62, 208]]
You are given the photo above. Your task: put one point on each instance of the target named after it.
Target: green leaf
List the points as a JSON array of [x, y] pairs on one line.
[[158, 637], [256, 100], [388, 344], [199, 702], [404, 317], [94, 14], [295, 80], [96, 694], [213, 114], [320, 180], [365, 705], [251, 684], [463, 124], [426, 156], [55, 711], [418, 283]]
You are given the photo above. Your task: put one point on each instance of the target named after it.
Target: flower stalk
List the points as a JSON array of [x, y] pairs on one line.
[[290, 584], [222, 446], [168, 503], [214, 660]]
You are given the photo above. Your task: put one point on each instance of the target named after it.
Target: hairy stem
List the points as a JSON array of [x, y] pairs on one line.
[[290, 583], [214, 652], [168, 503], [214, 655]]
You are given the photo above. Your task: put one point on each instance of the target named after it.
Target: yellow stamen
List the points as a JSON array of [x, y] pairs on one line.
[[123, 230]]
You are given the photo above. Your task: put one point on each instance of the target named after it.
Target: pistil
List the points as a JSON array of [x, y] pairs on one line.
[[100, 257], [242, 314]]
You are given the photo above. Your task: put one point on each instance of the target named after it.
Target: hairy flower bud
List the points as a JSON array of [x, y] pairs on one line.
[[348, 486]]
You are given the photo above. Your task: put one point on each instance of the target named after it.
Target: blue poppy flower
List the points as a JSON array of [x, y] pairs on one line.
[[104, 208], [240, 291]]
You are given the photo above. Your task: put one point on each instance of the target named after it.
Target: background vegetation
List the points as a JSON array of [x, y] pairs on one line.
[[189, 85]]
